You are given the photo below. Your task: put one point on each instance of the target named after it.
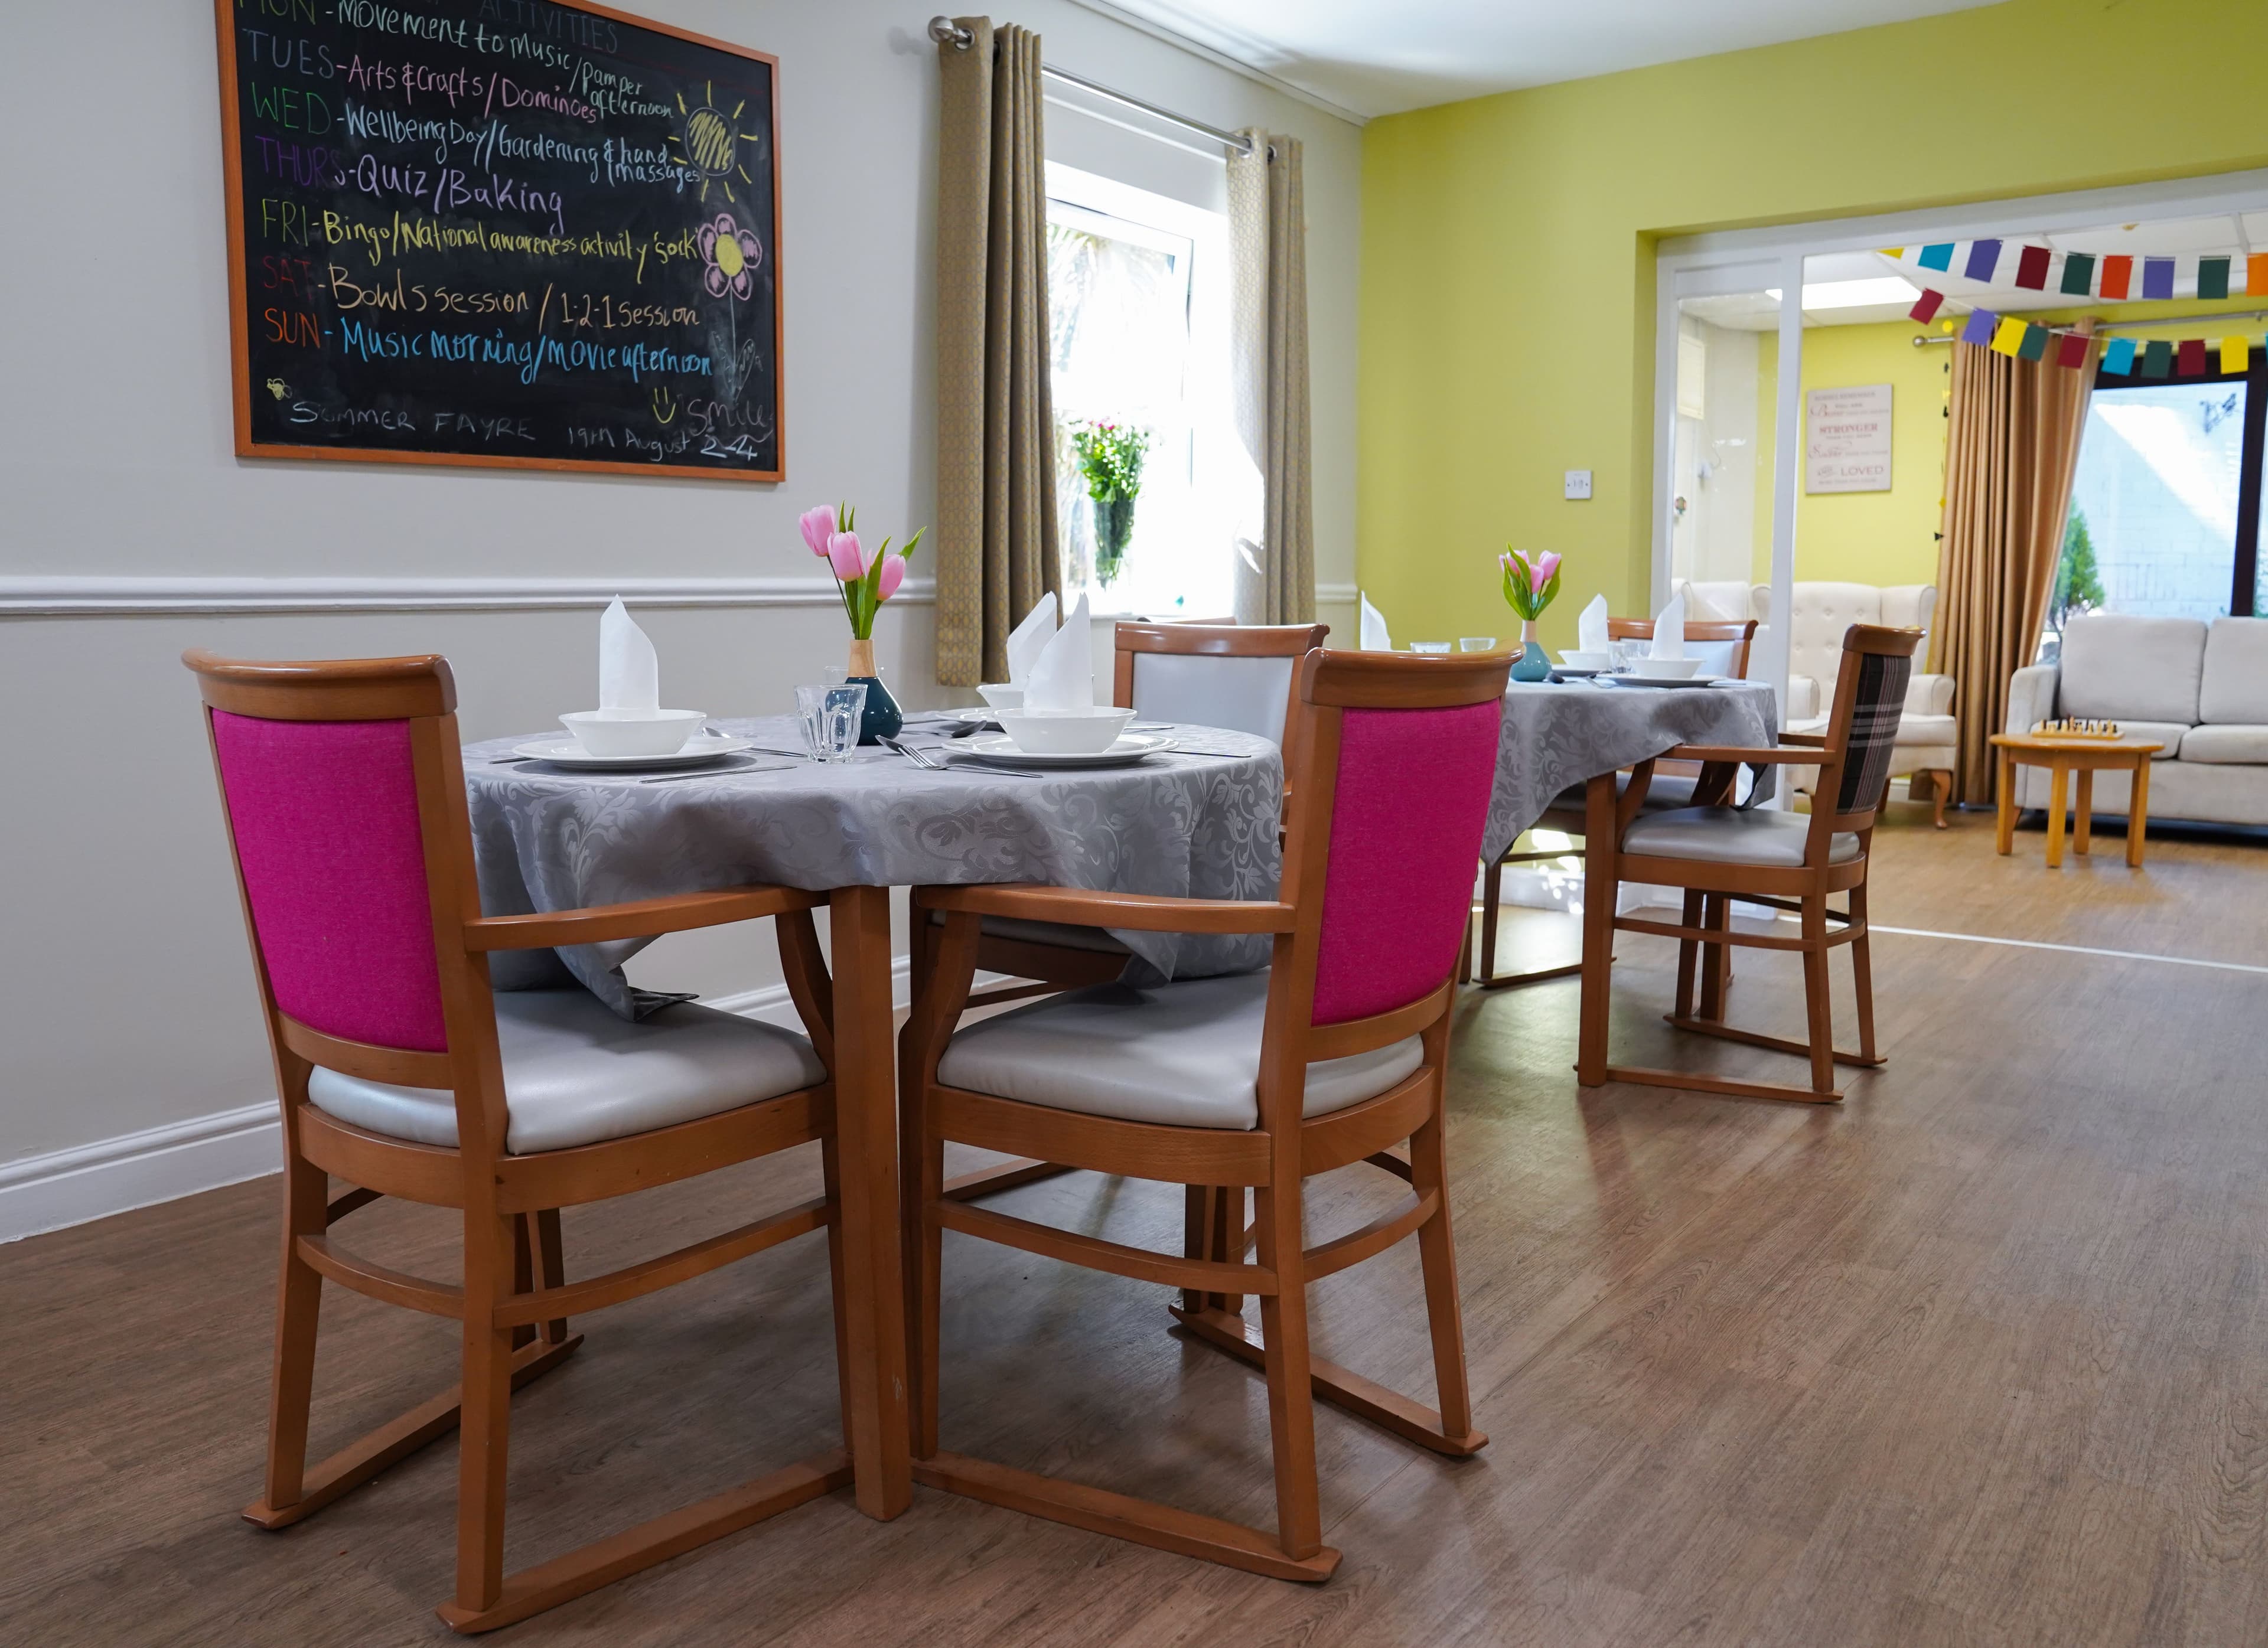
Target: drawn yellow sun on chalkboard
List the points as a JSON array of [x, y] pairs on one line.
[[710, 145]]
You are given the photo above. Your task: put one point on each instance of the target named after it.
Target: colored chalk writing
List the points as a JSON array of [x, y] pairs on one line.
[[501, 232]]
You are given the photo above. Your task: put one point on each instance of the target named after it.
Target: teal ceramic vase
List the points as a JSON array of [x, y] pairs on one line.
[[1532, 665]]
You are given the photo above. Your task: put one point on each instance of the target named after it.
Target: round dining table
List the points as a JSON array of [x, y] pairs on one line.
[[1199, 821]]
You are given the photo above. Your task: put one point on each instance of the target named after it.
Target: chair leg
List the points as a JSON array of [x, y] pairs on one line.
[[1686, 949], [1291, 1394], [1465, 948], [831, 1173], [1862, 973], [485, 1425], [1941, 786], [1231, 1236], [928, 1289], [553, 1251], [1714, 916], [299, 1307], [523, 1274], [1197, 1235], [1436, 1258], [1818, 1004], [1601, 874]]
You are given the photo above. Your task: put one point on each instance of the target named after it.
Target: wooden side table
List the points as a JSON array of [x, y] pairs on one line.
[[2063, 757]]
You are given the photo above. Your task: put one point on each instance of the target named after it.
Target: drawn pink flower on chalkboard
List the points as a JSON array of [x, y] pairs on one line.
[[731, 253]]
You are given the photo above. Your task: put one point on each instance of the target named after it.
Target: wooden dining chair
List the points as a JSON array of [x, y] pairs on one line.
[[1237, 676], [1329, 1058], [1786, 861], [401, 1074], [1673, 786]]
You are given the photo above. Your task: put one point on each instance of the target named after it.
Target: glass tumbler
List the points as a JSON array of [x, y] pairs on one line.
[[831, 716], [1476, 644]]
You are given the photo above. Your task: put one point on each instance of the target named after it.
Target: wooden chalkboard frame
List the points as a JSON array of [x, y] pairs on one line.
[[239, 310]]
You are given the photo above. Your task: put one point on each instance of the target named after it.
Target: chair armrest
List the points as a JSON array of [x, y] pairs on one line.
[[1816, 740], [643, 918], [1802, 698], [1807, 756], [1930, 694], [1136, 912], [2032, 695]]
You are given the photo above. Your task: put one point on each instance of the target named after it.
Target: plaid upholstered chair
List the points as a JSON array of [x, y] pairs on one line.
[[1782, 860], [1332, 1057]]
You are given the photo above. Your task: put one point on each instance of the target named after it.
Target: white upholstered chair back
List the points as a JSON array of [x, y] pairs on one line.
[[1823, 611], [1246, 695]]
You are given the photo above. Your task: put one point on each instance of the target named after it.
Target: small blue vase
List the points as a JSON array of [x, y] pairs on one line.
[[883, 718], [1532, 665]]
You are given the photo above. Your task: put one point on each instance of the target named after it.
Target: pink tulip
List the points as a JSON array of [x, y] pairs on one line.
[[817, 527], [1546, 565], [845, 554], [893, 574]]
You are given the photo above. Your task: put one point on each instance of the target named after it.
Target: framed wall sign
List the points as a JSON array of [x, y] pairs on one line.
[[503, 233], [1847, 439]]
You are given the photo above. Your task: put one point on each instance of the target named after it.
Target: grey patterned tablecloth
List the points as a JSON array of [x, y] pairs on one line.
[[1561, 733], [1196, 826]]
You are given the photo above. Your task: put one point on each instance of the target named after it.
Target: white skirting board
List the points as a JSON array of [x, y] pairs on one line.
[[161, 1164]]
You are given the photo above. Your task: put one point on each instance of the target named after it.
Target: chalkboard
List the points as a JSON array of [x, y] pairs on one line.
[[501, 232]]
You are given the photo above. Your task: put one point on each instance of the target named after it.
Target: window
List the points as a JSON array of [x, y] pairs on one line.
[[1137, 287], [2165, 506]]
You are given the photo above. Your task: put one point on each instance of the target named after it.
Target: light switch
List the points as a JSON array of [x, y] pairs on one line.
[[1579, 483]]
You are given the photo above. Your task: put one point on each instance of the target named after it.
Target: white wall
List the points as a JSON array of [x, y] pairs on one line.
[[126, 1002]]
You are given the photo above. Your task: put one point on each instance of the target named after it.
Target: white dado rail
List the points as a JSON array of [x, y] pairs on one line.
[[130, 597]]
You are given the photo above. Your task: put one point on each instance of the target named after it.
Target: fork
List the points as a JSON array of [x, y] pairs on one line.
[[923, 760]]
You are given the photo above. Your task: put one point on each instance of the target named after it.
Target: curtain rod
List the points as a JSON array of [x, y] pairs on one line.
[[946, 32]]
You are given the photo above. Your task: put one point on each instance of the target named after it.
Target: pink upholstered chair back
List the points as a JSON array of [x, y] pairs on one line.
[[1408, 811], [325, 817]]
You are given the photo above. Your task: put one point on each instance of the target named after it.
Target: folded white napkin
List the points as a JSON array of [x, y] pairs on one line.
[[1669, 630], [1591, 626], [1027, 637], [1373, 636], [630, 678], [1062, 676]]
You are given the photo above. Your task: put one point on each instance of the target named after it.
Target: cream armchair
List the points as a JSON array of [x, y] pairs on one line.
[[1820, 612]]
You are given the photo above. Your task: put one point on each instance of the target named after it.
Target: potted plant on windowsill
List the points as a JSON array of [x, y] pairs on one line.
[[1110, 461], [865, 579]]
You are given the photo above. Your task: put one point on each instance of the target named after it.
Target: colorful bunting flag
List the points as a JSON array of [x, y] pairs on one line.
[[2119, 356], [2117, 274], [2192, 358], [1983, 258], [2157, 358], [2071, 349], [2234, 354], [2009, 337], [2213, 278], [2035, 346], [1980, 327], [2157, 277], [1937, 257], [2256, 275], [1927, 305], [2079, 273], [2032, 269]]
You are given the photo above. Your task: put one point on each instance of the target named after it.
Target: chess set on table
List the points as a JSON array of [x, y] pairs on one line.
[[2078, 732]]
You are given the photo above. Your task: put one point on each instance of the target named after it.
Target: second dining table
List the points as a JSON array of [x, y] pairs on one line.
[[1198, 822]]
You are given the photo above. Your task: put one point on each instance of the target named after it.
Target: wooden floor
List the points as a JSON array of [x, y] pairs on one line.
[[1980, 1357]]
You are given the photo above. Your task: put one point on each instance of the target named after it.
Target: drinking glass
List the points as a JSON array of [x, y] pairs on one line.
[[831, 716], [1429, 648], [1476, 644], [1629, 654]]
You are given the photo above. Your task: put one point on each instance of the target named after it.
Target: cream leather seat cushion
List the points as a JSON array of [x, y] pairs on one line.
[[2236, 746], [1186, 1055], [575, 1073], [1728, 836]]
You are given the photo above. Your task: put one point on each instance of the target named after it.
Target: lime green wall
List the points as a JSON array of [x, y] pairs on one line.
[[1878, 537], [1507, 282]]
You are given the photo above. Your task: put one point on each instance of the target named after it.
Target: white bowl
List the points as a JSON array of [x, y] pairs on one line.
[[1667, 666], [1578, 660], [1064, 732], [1003, 697], [633, 732]]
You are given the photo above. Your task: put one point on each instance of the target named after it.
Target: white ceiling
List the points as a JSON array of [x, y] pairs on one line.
[[1373, 58]]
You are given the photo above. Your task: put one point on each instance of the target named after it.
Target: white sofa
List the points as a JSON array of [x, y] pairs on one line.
[[2200, 689], [1820, 613]]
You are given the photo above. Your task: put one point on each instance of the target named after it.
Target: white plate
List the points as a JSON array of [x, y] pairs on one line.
[[999, 750], [565, 752], [1662, 681]]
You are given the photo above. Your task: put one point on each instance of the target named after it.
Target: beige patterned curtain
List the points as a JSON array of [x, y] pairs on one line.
[[2010, 455], [995, 497], [1268, 340]]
